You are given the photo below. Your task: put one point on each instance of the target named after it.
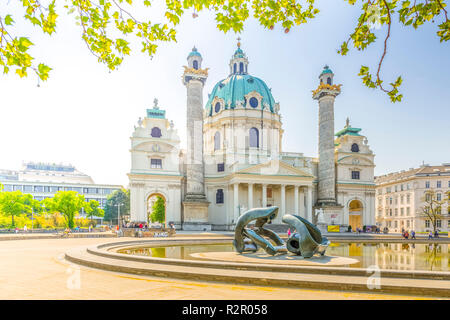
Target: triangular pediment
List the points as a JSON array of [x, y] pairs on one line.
[[275, 168]]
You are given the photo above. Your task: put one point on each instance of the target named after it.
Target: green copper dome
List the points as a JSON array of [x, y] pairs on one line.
[[238, 53], [234, 88], [194, 52], [326, 69]]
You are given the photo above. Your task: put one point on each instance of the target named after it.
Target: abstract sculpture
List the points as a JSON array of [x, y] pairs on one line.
[[306, 241], [248, 239]]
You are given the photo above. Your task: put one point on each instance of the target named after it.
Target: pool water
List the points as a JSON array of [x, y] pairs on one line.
[[393, 256]]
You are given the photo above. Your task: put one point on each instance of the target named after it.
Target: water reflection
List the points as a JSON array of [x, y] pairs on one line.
[[394, 256]]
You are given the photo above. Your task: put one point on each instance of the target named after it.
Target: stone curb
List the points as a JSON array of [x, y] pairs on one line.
[[97, 250], [79, 257]]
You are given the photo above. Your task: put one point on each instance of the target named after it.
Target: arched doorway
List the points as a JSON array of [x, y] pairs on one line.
[[355, 210], [156, 209]]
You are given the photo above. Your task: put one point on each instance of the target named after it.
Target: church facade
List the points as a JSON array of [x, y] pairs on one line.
[[234, 159]]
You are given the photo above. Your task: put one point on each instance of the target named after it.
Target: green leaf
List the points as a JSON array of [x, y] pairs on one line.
[[9, 20]]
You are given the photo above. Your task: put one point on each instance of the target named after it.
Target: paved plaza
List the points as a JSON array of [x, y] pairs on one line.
[[36, 269]]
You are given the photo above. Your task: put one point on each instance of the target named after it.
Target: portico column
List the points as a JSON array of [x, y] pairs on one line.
[[264, 195], [283, 200], [236, 201], [250, 196], [309, 204], [296, 212]]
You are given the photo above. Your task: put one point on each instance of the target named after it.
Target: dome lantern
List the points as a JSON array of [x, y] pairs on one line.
[[326, 76], [194, 59], [239, 61]]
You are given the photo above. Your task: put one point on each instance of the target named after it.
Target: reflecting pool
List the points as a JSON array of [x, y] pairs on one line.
[[394, 256]]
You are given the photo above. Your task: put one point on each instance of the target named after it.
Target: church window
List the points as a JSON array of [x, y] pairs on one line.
[[427, 184], [355, 175], [254, 138], [217, 107], [219, 196], [355, 147], [438, 184], [241, 67], [195, 64], [156, 132], [253, 102], [156, 163], [217, 141], [438, 197], [329, 80], [220, 167], [234, 68]]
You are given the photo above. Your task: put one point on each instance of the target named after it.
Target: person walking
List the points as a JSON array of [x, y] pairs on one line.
[[413, 234], [436, 234], [430, 235]]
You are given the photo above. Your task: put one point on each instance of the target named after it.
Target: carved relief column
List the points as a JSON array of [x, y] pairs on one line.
[[195, 204], [326, 94]]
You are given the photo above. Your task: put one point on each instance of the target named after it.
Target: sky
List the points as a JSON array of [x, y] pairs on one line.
[[84, 114]]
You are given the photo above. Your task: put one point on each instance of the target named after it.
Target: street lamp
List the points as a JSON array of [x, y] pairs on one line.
[[118, 214]]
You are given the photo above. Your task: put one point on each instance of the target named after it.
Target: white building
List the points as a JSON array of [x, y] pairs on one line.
[[235, 162], [400, 197], [43, 180]]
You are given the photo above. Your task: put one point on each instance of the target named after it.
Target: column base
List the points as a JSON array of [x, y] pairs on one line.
[[195, 214], [332, 213]]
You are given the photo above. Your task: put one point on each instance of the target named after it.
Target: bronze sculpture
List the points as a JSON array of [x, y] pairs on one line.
[[247, 239], [306, 241]]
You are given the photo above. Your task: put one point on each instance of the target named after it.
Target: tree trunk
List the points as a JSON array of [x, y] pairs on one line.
[[12, 220]]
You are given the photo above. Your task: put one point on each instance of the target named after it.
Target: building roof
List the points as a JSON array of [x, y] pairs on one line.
[[424, 170], [348, 130], [234, 88]]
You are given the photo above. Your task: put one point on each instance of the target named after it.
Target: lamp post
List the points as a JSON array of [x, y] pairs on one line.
[[118, 214]]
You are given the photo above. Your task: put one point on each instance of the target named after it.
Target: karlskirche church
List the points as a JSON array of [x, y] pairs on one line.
[[234, 159]]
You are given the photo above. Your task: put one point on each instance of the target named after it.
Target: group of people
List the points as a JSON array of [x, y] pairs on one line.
[[145, 226], [406, 234], [365, 229], [436, 234]]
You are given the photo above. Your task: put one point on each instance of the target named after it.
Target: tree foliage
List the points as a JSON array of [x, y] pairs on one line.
[[15, 203], [158, 211], [92, 209], [122, 197], [107, 25], [432, 206], [68, 203]]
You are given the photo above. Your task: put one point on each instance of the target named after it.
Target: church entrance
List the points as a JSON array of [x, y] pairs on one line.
[[156, 209], [355, 210]]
